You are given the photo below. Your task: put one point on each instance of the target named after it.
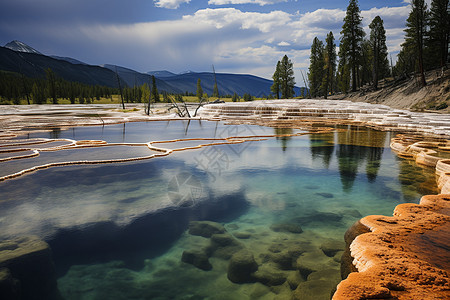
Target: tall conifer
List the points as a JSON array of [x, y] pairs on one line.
[[416, 32], [329, 65], [316, 67], [352, 36]]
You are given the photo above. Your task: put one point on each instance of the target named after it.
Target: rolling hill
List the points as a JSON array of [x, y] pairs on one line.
[[21, 58], [34, 65], [132, 78], [228, 84]]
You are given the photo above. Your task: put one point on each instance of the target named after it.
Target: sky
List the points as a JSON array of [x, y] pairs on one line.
[[236, 36]]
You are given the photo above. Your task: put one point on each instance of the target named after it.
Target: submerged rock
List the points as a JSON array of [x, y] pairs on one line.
[[233, 226], [314, 290], [331, 247], [286, 227], [338, 256], [205, 228], [259, 291], [196, 258], [294, 279], [269, 276], [314, 261], [27, 269], [223, 240], [331, 275], [285, 260], [320, 217], [223, 245], [241, 266], [242, 235], [325, 195]]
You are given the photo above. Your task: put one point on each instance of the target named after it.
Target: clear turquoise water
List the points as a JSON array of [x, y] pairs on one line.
[[118, 231]]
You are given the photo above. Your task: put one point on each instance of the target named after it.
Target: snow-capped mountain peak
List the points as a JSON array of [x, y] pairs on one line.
[[21, 47]]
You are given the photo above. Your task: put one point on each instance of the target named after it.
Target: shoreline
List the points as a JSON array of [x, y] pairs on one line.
[[15, 118]]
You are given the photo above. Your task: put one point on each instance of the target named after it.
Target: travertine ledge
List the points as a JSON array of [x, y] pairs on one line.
[[406, 256], [375, 115]]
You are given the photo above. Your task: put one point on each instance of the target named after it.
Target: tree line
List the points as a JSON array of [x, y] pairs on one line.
[[14, 87], [364, 60]]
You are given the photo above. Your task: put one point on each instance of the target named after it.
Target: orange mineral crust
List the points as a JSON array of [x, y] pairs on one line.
[[406, 256]]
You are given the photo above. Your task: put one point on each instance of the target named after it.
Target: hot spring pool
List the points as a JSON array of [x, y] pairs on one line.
[[119, 231]]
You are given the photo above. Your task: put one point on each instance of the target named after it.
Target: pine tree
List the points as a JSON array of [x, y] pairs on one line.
[[199, 89], [287, 80], [275, 88], [51, 85], [235, 97], [343, 73], [215, 91], [329, 56], [145, 97], [416, 32], [155, 94], [72, 93], [365, 68], [38, 94], [247, 97], [351, 39], [439, 31], [316, 67], [380, 63]]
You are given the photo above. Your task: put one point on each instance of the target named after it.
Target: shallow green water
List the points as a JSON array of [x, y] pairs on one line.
[[119, 231]]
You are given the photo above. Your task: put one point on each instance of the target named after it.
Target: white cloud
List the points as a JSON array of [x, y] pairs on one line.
[[428, 2], [392, 16], [260, 2], [323, 18], [222, 17], [234, 40], [172, 4]]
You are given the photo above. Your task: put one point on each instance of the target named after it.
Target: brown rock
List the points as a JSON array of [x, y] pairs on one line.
[[355, 230], [403, 257]]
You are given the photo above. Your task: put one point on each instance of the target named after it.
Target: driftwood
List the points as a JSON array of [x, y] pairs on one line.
[[182, 109]]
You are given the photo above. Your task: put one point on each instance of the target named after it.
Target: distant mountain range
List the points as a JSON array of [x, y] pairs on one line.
[[18, 57], [21, 47]]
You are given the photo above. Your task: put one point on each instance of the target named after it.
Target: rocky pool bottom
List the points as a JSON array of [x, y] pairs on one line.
[[272, 226]]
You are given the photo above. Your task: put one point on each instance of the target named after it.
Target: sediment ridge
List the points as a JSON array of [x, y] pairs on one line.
[[406, 256], [378, 116]]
